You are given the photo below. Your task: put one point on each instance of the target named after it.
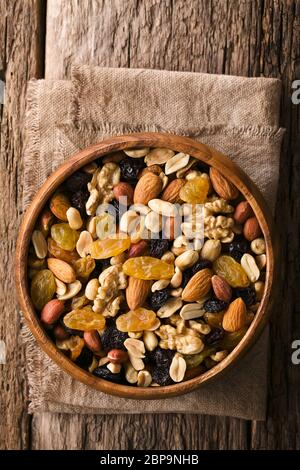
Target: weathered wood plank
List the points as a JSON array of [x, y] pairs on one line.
[[20, 59]]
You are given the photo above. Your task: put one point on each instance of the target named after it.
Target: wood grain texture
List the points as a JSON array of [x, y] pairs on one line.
[[254, 38], [20, 60]]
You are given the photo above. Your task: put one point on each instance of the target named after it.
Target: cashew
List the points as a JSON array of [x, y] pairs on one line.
[[72, 290], [211, 250], [61, 287], [153, 222]]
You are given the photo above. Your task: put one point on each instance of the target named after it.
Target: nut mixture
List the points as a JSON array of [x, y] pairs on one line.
[[147, 268]]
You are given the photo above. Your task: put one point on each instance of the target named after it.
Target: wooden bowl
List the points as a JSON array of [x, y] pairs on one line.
[[179, 144]]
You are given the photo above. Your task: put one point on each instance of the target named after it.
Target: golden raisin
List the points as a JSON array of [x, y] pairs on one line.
[[59, 253], [113, 246], [84, 319], [226, 267], [136, 320], [147, 268], [65, 237], [195, 190], [43, 288], [84, 266]]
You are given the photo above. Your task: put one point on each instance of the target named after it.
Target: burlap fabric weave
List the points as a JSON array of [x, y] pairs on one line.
[[236, 115]]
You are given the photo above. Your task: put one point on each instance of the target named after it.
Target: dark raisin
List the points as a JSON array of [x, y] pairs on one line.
[[158, 247], [77, 181], [247, 294], [112, 338], [237, 248], [161, 359], [73, 332], [161, 376], [104, 373], [214, 305], [85, 358], [201, 264], [79, 200], [214, 336], [158, 299], [130, 168]]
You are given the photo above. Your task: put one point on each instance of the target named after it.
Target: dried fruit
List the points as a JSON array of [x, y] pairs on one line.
[[77, 181], [136, 320], [113, 246], [195, 360], [222, 186], [65, 237], [235, 316], [148, 187], [195, 191], [214, 319], [79, 200], [238, 248], [214, 338], [130, 169], [146, 267], [58, 252], [158, 247], [214, 305], [247, 294], [43, 287], [104, 373], [85, 358], [84, 319], [226, 267], [198, 286], [84, 267], [158, 299], [59, 204], [231, 340], [112, 338], [162, 359]]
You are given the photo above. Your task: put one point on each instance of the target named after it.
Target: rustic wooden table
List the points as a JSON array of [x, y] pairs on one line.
[[253, 38]]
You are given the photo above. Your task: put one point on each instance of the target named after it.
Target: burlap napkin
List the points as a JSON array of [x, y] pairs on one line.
[[238, 116]]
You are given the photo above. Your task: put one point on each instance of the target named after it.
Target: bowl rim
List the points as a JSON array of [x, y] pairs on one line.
[[177, 143]]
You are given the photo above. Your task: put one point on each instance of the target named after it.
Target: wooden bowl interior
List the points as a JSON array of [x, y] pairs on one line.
[[179, 144]]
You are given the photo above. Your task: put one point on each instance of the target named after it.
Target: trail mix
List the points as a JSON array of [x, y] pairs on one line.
[[132, 281]]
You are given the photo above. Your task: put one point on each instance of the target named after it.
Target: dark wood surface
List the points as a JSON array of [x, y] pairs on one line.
[[252, 38]]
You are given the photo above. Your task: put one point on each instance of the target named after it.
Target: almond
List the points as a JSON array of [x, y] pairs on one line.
[[221, 288], [222, 186], [137, 249], [251, 229], [122, 190], [148, 187], [52, 311], [59, 204], [235, 316], [62, 270], [242, 212], [45, 221], [92, 340], [137, 291], [198, 286], [171, 193]]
